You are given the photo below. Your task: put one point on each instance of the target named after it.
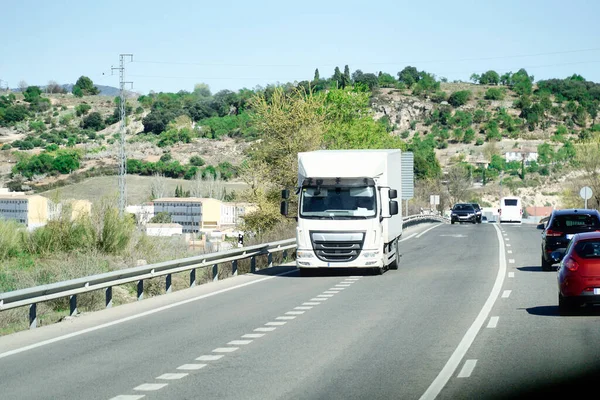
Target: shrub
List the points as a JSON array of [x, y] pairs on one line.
[[93, 121], [479, 142], [494, 94], [459, 98], [197, 161], [82, 109]]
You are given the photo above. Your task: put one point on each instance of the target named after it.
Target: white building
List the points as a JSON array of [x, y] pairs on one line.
[[163, 229], [519, 154], [143, 213]]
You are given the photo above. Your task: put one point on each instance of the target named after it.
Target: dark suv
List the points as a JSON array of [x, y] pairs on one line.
[[477, 212], [463, 212], [561, 227]]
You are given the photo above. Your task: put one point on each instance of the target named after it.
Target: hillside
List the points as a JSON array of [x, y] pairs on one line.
[[49, 138]]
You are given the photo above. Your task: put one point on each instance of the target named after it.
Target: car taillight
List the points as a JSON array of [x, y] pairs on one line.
[[550, 232], [571, 264]]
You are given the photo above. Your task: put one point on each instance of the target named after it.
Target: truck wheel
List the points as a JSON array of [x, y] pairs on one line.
[[396, 262]]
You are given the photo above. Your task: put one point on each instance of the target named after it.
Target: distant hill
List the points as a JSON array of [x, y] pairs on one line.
[[104, 90]]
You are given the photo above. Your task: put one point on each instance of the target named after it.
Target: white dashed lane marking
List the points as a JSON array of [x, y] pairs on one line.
[[149, 387], [506, 293], [172, 376], [330, 292], [303, 308], [467, 369], [319, 299], [511, 261], [191, 367], [509, 251], [337, 288], [276, 323], [507, 244], [295, 312], [286, 317], [270, 329], [311, 303], [511, 274], [129, 397], [493, 322], [325, 295], [211, 357], [249, 336], [239, 342], [225, 349]]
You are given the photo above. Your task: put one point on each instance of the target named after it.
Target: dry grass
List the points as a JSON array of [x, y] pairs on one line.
[[138, 188]]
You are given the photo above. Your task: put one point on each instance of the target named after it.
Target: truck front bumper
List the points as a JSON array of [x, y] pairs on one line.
[[367, 259]]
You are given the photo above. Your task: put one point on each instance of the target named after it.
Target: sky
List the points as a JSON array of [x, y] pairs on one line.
[[236, 44]]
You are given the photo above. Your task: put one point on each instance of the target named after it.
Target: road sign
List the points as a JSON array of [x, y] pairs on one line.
[[586, 194], [434, 199]]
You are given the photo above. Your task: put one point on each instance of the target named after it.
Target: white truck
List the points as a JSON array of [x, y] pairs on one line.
[[347, 216]]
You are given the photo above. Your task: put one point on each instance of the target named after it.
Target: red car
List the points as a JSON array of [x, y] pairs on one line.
[[579, 272]]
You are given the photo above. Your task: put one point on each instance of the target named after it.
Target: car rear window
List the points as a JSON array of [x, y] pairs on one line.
[[588, 248], [510, 202], [465, 207], [582, 222]]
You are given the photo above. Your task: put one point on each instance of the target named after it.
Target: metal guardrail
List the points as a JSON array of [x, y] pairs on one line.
[[71, 288]]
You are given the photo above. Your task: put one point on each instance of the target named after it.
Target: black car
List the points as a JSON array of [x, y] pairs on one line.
[[477, 212], [463, 212], [561, 226]]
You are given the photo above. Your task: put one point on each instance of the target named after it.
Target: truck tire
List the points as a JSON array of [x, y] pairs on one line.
[[394, 264]]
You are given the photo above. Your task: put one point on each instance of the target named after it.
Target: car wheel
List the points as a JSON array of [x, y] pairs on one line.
[[452, 222], [474, 221], [566, 306], [546, 266]]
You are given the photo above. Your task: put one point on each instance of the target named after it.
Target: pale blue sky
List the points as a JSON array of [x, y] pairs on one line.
[[235, 44]]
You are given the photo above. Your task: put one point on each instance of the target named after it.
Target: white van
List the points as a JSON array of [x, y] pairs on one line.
[[510, 209]]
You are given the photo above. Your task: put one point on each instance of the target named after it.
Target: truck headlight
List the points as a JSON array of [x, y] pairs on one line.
[[370, 254], [304, 254]]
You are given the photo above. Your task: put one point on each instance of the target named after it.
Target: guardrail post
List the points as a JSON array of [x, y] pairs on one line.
[[234, 266], [32, 316], [108, 297], [270, 260], [168, 283], [72, 305], [140, 289], [193, 277], [285, 255], [253, 264], [215, 272]]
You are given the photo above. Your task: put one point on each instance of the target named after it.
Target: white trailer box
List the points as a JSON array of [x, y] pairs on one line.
[[344, 208]]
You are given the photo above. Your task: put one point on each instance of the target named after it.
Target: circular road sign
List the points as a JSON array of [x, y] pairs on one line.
[[585, 193]]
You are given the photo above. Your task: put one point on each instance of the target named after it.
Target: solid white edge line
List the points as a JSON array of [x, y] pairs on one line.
[[136, 316], [408, 237], [467, 369], [446, 373], [427, 230]]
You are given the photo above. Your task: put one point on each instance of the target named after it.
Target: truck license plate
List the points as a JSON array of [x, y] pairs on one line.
[[596, 290]]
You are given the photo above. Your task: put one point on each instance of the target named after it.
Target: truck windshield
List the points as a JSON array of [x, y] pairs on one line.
[[328, 202]]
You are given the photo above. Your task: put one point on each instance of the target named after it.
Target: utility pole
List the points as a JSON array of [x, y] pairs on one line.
[[122, 133]]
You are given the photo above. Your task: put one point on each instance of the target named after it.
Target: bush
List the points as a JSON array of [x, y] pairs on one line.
[[479, 142], [494, 94], [459, 98], [93, 121], [82, 109], [6, 146], [197, 161]]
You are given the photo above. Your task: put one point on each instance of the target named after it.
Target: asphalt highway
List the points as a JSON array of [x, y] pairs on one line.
[[469, 314]]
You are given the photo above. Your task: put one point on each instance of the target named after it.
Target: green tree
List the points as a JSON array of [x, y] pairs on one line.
[[489, 78], [494, 94], [475, 78], [346, 76], [316, 77], [386, 80], [86, 87], [32, 94], [337, 78], [409, 76], [162, 217]]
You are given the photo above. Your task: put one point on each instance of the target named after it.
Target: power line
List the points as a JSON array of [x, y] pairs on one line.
[[371, 63]]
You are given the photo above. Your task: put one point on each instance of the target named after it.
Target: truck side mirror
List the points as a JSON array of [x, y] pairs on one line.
[[285, 194], [393, 194], [284, 208], [393, 207]]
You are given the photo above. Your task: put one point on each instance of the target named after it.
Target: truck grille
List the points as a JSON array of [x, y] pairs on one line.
[[336, 246]]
